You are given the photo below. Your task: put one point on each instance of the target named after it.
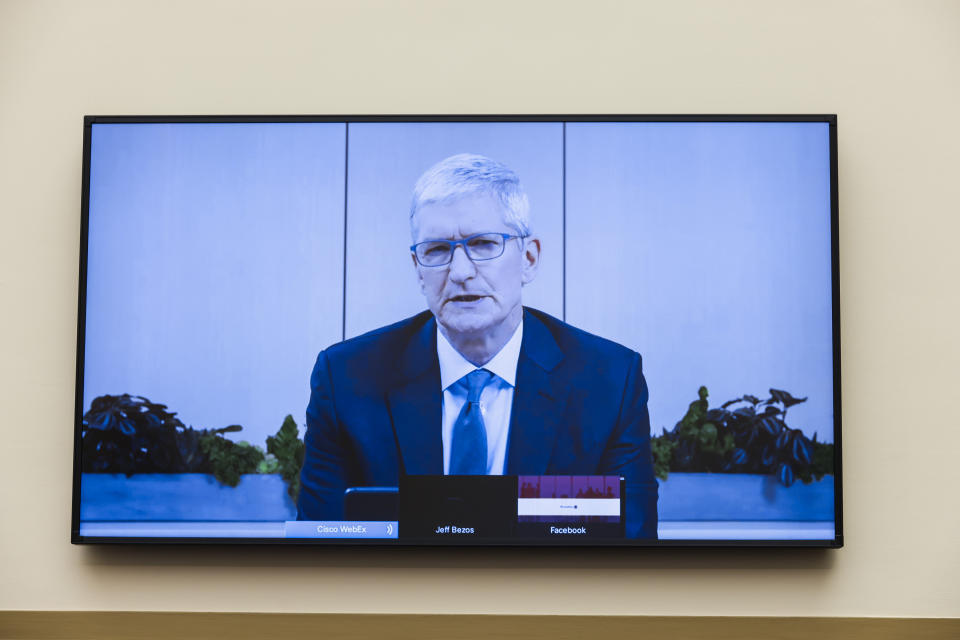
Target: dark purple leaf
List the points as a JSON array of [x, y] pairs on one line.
[[738, 457], [783, 439], [768, 456], [785, 474], [771, 425], [784, 398], [802, 449]]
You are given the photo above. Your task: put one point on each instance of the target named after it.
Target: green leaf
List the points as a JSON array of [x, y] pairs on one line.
[[289, 451], [229, 460], [708, 434], [270, 464], [662, 449]]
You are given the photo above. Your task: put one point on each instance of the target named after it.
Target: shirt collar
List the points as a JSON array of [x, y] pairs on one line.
[[454, 366]]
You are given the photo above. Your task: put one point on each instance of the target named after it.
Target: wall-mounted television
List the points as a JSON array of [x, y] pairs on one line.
[[459, 330]]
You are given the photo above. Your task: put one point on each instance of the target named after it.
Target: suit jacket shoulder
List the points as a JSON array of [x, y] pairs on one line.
[[598, 360], [370, 352], [576, 341], [374, 359]]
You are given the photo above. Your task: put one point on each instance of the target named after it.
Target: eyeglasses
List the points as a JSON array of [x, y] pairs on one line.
[[480, 246]]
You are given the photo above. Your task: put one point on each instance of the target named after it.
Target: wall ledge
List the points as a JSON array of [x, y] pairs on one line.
[[104, 625]]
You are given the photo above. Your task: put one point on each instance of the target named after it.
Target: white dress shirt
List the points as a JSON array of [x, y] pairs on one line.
[[496, 399]]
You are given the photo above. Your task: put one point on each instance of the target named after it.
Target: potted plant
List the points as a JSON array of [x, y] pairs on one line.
[[141, 462], [741, 461]]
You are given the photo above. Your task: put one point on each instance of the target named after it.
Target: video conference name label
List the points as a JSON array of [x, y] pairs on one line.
[[442, 529], [343, 528], [579, 531], [340, 529]]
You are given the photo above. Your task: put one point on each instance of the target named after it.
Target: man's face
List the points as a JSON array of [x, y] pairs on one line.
[[470, 297]]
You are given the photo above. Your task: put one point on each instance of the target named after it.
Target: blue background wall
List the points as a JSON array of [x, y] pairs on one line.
[[705, 247], [218, 253], [215, 267]]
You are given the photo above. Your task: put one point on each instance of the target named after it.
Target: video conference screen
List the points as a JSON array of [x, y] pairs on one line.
[[459, 331]]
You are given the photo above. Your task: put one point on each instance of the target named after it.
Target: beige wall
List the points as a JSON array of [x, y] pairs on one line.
[[888, 69]]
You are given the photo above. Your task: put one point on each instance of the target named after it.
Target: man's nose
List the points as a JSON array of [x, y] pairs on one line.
[[461, 266]]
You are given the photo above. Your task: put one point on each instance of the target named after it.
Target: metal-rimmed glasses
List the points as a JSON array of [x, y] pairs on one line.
[[478, 247]]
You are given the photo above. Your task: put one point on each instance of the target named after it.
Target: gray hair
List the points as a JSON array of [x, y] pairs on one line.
[[470, 174]]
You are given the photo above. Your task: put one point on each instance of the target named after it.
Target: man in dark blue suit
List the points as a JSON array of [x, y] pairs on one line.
[[478, 384]]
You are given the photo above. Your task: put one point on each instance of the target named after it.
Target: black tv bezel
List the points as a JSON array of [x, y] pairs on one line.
[[829, 119]]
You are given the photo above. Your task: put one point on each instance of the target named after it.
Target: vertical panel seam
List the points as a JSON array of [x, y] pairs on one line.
[[563, 181], [346, 191]]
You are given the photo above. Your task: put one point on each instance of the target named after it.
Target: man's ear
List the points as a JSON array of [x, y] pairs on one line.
[[416, 267], [530, 259]]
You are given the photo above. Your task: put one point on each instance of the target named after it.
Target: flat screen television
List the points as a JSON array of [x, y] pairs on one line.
[[459, 330]]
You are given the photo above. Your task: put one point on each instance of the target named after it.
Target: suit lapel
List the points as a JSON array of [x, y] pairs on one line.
[[538, 405], [415, 405]]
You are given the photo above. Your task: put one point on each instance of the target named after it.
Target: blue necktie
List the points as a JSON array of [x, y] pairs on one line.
[[468, 453]]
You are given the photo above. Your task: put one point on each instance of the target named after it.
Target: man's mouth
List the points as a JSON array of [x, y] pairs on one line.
[[466, 297]]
